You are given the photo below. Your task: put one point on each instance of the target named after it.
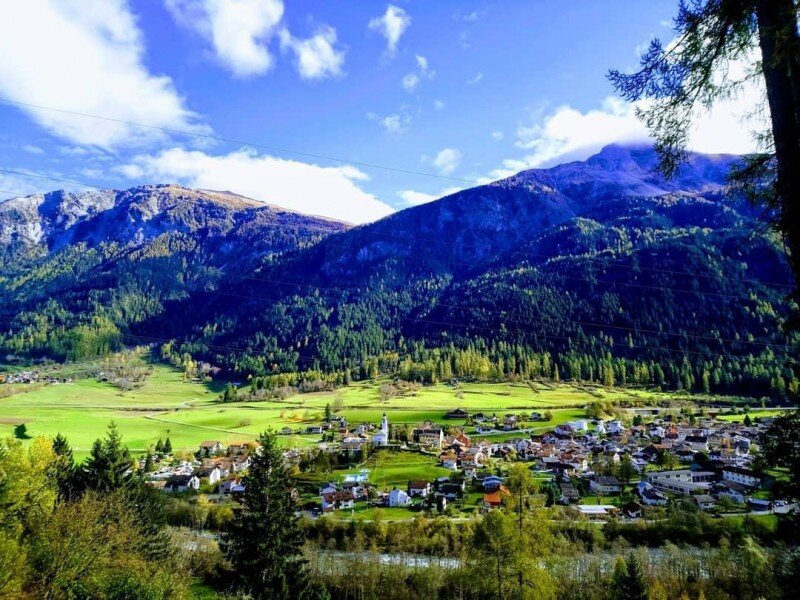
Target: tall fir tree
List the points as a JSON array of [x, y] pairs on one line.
[[264, 542], [629, 579], [109, 464]]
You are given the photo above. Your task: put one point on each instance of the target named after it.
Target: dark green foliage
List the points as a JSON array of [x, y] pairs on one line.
[[109, 466], [264, 540], [629, 581], [780, 446], [65, 471], [167, 446]]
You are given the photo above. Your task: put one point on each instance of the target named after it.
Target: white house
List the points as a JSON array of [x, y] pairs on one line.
[[182, 483], [741, 476], [419, 489], [605, 484], [212, 473], [398, 498]]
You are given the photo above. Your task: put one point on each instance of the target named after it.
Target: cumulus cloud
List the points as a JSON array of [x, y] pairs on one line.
[[326, 191], [423, 71], [394, 123], [497, 135], [86, 56], [317, 56], [477, 78], [391, 25], [567, 133], [414, 198], [447, 160], [238, 30]]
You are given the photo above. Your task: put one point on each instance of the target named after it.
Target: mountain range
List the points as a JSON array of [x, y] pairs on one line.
[[602, 258]]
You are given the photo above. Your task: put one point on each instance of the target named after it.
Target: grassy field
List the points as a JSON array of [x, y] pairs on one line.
[[754, 413], [189, 412]]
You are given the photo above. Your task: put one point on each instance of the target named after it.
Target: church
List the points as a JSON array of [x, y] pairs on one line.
[[381, 438]]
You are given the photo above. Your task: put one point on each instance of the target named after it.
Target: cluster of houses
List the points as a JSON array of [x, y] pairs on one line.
[[706, 461], [663, 460], [21, 377], [214, 465]]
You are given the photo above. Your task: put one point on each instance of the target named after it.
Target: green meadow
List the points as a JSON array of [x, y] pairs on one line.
[[190, 412]]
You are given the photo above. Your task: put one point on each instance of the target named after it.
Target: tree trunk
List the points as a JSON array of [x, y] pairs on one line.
[[779, 43]]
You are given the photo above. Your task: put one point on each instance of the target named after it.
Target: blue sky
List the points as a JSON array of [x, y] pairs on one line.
[[463, 91]]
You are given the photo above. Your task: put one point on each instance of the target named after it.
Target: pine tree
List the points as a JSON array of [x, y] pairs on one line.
[[108, 467], [629, 580], [263, 542], [65, 475], [168, 446], [148, 462], [159, 446]]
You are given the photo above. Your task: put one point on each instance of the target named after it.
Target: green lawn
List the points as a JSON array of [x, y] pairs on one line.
[[189, 412]]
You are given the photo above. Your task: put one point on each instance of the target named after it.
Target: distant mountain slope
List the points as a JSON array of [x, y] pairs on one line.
[[122, 254], [601, 256], [599, 266]]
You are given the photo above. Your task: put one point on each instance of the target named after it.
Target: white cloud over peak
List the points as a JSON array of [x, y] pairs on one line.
[[447, 160], [413, 197], [391, 25], [317, 56], [567, 133], [238, 30], [86, 56], [325, 191]]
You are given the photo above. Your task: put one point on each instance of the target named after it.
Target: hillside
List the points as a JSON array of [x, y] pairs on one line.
[[116, 257], [589, 261], [597, 270]]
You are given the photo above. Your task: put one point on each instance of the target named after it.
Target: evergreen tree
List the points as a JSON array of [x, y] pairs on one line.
[[109, 464], [159, 446], [629, 579], [148, 462], [65, 469], [167, 446], [264, 541]]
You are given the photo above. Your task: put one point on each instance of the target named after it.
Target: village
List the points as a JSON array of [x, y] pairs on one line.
[[594, 468]]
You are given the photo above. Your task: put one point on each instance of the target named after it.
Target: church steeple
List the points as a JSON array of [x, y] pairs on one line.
[[385, 424]]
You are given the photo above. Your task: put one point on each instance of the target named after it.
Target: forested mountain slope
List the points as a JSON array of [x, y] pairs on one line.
[[599, 270], [74, 264], [600, 263]]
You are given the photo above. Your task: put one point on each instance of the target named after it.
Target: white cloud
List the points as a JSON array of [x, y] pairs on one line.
[[477, 78], [326, 191], [447, 160], [438, 104], [413, 197], [570, 134], [394, 123], [391, 26], [239, 30], [317, 56], [412, 80], [32, 149], [497, 135], [86, 56]]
